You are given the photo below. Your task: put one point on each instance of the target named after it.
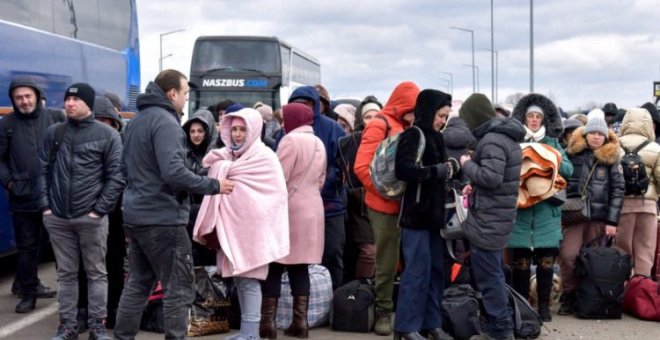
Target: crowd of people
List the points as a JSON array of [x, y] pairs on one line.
[[257, 192]]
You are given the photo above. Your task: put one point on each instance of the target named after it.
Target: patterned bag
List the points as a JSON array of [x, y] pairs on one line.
[[577, 209], [320, 299]]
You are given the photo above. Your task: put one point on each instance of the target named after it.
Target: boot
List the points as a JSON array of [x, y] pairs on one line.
[[520, 281], [408, 336], [267, 326], [299, 327], [383, 324], [27, 304], [439, 334], [543, 289], [567, 301]]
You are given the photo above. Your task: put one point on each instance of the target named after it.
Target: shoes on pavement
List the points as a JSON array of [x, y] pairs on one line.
[[26, 305], [97, 330], [383, 324], [43, 292], [66, 331]]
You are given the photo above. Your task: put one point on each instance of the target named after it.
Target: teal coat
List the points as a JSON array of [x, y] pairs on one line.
[[539, 226]]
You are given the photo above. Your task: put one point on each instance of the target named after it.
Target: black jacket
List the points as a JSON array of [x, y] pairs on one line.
[[494, 173], [84, 174], [607, 186], [458, 141], [21, 140], [423, 204], [157, 180]]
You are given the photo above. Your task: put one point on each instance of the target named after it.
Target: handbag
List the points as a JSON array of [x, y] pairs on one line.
[[642, 298], [577, 209], [453, 230]]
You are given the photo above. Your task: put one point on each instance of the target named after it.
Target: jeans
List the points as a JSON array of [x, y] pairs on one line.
[[249, 298], [489, 277], [70, 238], [157, 253], [298, 280], [27, 230], [387, 235], [333, 250], [420, 291]]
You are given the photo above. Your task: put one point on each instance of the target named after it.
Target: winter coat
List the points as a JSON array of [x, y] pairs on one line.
[[401, 101], [21, 140], [423, 204], [250, 225], [195, 154], [539, 226], [157, 180], [329, 132], [84, 175], [636, 128], [458, 140], [303, 160], [494, 173], [606, 187], [103, 109]]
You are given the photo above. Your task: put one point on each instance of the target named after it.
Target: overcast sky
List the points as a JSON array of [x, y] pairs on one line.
[[584, 51]]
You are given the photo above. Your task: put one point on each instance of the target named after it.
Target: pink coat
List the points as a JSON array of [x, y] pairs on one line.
[[303, 160], [250, 225]]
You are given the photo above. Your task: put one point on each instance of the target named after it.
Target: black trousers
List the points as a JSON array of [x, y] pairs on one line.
[[27, 232], [298, 279]]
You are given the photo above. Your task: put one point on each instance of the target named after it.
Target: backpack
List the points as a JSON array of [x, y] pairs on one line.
[[353, 307], [382, 169], [526, 321], [460, 311], [348, 147], [634, 171]]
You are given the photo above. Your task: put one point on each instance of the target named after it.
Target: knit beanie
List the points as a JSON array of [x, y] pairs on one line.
[[596, 124], [369, 107], [535, 108], [265, 110], [83, 91], [595, 113], [476, 110], [347, 113]]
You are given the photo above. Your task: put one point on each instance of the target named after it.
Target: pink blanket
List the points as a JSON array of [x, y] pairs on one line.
[[250, 226]]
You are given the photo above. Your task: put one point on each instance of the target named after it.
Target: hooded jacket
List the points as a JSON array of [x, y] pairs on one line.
[[103, 108], [329, 132], [458, 140], [655, 116], [539, 226], [607, 186], [157, 180], [423, 204], [195, 154], [494, 173], [636, 128], [84, 175], [21, 141], [401, 101]]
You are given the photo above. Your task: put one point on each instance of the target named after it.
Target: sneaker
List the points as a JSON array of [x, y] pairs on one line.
[[383, 324], [97, 330], [43, 292], [66, 331]]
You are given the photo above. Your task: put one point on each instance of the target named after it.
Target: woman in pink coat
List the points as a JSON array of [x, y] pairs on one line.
[[303, 160]]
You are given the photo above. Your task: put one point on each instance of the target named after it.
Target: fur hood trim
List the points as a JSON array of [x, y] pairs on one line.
[[606, 154], [551, 117]]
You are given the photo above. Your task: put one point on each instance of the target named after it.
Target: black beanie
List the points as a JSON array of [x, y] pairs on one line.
[[83, 91], [476, 110]]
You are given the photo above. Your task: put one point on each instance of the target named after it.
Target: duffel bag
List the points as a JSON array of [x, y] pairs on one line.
[[320, 298], [353, 307], [460, 311], [642, 298]]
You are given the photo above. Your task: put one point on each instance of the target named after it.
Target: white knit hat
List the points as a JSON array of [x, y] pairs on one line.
[[369, 107], [596, 124]]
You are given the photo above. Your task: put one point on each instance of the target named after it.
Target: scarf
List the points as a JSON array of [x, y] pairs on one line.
[[531, 136]]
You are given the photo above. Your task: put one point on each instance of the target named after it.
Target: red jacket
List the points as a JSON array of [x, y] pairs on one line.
[[401, 101]]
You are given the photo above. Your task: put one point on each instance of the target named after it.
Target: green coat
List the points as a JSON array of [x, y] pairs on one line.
[[539, 226]]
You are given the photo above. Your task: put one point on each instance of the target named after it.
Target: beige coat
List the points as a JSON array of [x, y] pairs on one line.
[[636, 128], [303, 160]]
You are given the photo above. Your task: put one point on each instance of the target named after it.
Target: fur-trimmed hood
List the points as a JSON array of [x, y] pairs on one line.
[[606, 154], [551, 117]]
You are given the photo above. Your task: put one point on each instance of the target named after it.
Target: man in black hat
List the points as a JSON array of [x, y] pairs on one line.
[[611, 111], [79, 185], [21, 134]]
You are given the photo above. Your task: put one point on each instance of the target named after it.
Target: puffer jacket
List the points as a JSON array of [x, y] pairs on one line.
[[494, 173], [636, 128], [21, 140], [606, 187], [401, 101], [458, 141], [423, 204], [84, 175]]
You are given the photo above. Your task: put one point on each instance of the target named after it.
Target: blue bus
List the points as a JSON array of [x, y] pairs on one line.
[[59, 42], [248, 69]]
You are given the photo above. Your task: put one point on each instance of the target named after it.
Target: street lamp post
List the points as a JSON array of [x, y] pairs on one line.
[[531, 45], [160, 57], [492, 55], [451, 81], [496, 71], [473, 66]]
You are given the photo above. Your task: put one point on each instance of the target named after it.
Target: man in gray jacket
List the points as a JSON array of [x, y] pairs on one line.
[[494, 174], [156, 207], [79, 185]]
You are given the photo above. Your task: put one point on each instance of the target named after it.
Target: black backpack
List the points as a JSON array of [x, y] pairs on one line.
[[353, 307], [634, 171], [460, 311], [348, 147], [526, 321]]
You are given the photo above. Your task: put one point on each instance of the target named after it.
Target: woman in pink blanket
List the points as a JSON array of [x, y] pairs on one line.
[[303, 160], [249, 226]]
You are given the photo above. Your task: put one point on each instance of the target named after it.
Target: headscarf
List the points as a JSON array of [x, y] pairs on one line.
[[296, 115]]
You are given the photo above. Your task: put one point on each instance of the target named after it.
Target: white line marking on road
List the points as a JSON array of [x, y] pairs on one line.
[[32, 318]]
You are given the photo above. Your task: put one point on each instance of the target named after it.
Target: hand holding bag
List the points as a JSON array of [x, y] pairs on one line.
[[577, 209]]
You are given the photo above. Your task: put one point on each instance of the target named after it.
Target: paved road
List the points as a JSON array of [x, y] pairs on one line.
[[42, 323]]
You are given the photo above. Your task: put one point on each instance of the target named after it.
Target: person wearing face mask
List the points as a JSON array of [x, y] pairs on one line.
[[594, 152], [422, 216], [537, 230]]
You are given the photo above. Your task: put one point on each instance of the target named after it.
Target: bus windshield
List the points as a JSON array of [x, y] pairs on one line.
[[209, 98], [239, 55]]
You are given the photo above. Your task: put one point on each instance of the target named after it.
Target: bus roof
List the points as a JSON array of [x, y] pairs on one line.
[[256, 38]]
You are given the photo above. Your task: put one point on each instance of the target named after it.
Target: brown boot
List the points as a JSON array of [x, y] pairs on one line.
[[267, 326], [299, 327]]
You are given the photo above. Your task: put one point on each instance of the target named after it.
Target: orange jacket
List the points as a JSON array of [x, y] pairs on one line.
[[401, 101]]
